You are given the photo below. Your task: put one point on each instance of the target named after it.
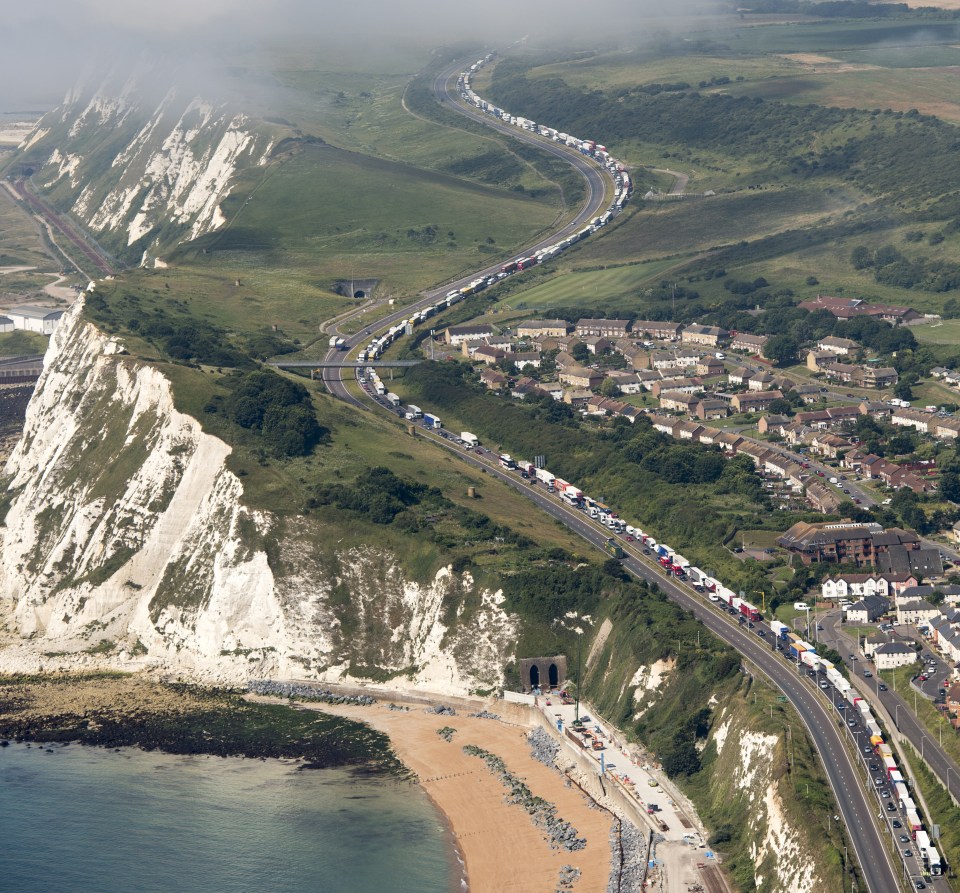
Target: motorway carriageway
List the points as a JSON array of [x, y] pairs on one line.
[[876, 866]]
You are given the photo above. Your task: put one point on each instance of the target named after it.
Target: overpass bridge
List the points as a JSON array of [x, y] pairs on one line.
[[332, 364]]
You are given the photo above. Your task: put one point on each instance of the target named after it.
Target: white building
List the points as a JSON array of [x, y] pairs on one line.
[[892, 655], [34, 319]]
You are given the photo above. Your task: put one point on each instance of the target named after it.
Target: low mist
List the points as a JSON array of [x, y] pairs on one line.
[[48, 46]]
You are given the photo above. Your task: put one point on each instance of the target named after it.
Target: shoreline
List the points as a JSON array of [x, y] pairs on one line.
[[497, 842]]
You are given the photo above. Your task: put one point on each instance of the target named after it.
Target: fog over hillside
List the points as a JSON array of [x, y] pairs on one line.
[[46, 45]]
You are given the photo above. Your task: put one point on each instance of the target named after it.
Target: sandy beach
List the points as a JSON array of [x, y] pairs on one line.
[[502, 848]]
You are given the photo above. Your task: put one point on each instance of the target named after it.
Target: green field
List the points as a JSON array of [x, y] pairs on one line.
[[327, 215], [616, 288]]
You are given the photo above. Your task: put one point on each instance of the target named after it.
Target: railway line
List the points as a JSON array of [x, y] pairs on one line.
[[878, 871]]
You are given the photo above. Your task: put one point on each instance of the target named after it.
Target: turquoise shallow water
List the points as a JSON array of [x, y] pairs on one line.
[[85, 820]]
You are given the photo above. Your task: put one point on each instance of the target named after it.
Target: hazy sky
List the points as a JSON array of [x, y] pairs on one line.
[[45, 43]]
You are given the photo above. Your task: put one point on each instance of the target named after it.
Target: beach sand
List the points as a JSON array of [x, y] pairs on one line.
[[502, 848]]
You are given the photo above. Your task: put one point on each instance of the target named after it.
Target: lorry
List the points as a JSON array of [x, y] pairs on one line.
[[431, 421], [751, 612], [779, 629], [544, 476], [469, 440], [338, 343], [415, 411], [933, 861], [393, 399], [612, 547], [913, 822]]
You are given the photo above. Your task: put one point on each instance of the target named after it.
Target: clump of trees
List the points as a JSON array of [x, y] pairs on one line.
[[278, 409]]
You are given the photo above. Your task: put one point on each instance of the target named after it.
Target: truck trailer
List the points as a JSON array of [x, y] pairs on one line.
[[470, 440], [431, 421]]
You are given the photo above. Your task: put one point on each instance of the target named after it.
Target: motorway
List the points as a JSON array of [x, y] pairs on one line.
[[878, 871], [894, 701]]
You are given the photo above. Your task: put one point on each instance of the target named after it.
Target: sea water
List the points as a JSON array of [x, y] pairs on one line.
[[86, 820]]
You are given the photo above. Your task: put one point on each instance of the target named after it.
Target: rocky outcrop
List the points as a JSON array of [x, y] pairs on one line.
[[127, 544]]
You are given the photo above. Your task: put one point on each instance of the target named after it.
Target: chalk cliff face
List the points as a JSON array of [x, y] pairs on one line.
[[143, 173], [126, 544]]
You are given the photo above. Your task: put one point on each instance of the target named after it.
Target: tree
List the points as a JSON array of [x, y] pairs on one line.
[[609, 388], [903, 391], [580, 352], [782, 349], [950, 486]]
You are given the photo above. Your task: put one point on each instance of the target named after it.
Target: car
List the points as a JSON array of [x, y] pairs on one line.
[[867, 749], [824, 685], [761, 633], [890, 806], [919, 885], [922, 677], [908, 853], [867, 674], [820, 627], [857, 501], [904, 838], [896, 823], [845, 490], [878, 782], [629, 537], [884, 793], [874, 767], [942, 691], [852, 723], [882, 687]]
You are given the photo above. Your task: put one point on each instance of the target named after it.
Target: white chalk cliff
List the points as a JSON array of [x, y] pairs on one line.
[[126, 544]]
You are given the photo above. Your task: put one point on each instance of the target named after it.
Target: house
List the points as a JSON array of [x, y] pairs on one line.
[[821, 497], [846, 542], [525, 358], [665, 360], [677, 401], [663, 424], [457, 335], [914, 611], [627, 382], [540, 328], [847, 308], [6, 324], [577, 398], [604, 328], [663, 331], [30, 318], [817, 359], [494, 380], [893, 655], [484, 353], [760, 381], [526, 385], [868, 610], [829, 444], [739, 376], [859, 585], [697, 334], [840, 347], [596, 344], [581, 377], [956, 532], [729, 441], [750, 343], [772, 424], [709, 365], [836, 371], [869, 644], [754, 401], [684, 385], [905, 559], [875, 377], [711, 409]]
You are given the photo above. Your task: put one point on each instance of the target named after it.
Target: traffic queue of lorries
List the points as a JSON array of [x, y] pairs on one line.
[[675, 565], [623, 187]]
